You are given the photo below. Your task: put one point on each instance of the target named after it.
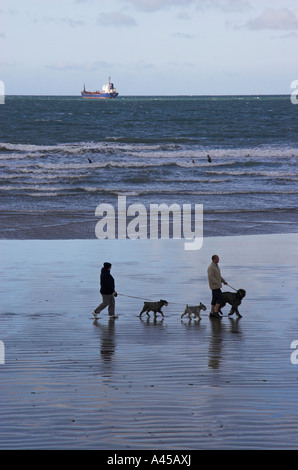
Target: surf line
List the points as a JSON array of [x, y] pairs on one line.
[[162, 221]]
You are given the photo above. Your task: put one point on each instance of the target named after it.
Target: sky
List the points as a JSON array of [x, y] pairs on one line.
[[149, 47]]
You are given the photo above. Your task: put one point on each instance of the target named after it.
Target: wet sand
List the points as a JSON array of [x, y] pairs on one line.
[[69, 382]]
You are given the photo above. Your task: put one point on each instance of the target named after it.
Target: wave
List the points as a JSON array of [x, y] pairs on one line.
[[180, 150], [267, 174], [79, 171], [41, 175], [63, 190]]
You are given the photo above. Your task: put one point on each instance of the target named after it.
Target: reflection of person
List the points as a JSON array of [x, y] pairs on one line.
[[107, 290], [215, 284]]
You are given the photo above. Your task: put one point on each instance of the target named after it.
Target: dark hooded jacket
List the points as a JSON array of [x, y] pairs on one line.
[[107, 283]]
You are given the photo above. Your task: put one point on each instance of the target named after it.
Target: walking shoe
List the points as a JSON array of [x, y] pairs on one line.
[[215, 315], [113, 316], [94, 314]]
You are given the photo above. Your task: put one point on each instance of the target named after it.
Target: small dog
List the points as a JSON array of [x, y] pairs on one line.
[[234, 300], [154, 306], [195, 309]]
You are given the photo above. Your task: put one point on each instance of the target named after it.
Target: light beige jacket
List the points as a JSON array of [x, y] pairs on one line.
[[214, 276]]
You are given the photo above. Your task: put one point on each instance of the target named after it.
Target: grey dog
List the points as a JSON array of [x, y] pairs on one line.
[[234, 299], [154, 306], [195, 309]]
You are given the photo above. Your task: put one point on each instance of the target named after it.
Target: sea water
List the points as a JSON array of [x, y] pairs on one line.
[[61, 157]]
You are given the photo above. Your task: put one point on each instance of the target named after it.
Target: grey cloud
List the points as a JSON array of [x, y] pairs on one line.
[[88, 66], [225, 5], [289, 36], [282, 19], [184, 36], [154, 5], [63, 21], [116, 19]]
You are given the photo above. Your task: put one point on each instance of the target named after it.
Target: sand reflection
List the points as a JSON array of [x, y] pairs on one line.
[[107, 338], [220, 332]]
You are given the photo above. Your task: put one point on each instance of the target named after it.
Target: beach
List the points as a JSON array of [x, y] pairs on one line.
[[70, 382]]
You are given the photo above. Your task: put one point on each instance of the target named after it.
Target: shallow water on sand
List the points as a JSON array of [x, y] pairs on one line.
[[71, 382]]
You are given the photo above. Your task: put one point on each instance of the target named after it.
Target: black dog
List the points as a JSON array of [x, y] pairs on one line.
[[154, 306], [234, 300]]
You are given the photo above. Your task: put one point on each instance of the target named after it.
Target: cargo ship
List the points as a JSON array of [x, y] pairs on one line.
[[108, 91]]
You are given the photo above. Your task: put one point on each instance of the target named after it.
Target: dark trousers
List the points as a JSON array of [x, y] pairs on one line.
[[107, 301], [217, 297]]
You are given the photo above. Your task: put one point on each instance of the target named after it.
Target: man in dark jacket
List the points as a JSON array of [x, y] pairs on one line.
[[107, 290]]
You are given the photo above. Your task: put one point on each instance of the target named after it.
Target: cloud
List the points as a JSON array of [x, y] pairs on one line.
[[116, 19], [227, 6], [154, 5], [224, 5], [282, 19], [184, 36], [289, 36], [88, 66], [66, 21], [184, 16]]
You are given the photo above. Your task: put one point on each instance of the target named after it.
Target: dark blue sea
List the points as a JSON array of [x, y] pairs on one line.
[[60, 157]]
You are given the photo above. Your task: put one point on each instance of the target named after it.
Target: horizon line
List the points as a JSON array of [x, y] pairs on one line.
[[162, 95]]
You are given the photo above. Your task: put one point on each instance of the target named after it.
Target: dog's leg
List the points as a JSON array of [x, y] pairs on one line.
[[237, 313], [142, 311], [184, 313], [159, 311], [233, 309]]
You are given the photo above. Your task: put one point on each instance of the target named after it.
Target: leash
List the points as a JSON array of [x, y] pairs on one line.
[[133, 297], [143, 298], [232, 287]]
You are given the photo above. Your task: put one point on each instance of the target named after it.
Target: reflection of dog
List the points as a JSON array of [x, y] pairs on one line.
[[234, 300], [154, 306], [195, 309]]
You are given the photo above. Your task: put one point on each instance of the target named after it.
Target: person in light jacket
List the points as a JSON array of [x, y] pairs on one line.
[[215, 283], [107, 290]]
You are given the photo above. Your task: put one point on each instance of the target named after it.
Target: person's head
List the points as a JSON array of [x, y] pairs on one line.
[[215, 259], [107, 265]]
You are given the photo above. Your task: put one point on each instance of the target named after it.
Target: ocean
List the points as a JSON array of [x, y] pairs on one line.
[[61, 157]]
